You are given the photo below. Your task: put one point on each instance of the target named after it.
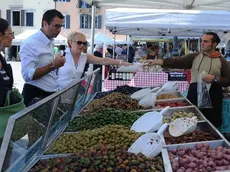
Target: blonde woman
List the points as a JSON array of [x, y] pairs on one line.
[[76, 60]]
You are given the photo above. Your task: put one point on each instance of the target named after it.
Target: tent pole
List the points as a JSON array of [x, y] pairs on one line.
[[114, 39], [104, 50], [198, 44], [128, 45], [92, 33]]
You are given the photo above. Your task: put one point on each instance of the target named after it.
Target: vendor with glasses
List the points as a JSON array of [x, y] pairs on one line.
[[76, 60]]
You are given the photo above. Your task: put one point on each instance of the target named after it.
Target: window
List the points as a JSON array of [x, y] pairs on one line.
[[83, 4], [66, 21], [16, 19], [85, 21], [29, 19]]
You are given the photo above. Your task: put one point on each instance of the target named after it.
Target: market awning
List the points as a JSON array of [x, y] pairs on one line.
[[22, 36], [165, 4], [155, 22]]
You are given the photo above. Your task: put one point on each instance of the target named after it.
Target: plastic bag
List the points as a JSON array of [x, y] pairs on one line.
[[203, 97]]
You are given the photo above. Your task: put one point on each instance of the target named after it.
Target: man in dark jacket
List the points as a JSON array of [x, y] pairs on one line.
[[98, 79], [131, 53]]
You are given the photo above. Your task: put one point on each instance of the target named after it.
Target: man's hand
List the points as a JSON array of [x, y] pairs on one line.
[[154, 62], [126, 64], [59, 60], [209, 78]]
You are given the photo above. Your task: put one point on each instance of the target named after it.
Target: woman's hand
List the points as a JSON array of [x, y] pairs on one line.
[[126, 64]]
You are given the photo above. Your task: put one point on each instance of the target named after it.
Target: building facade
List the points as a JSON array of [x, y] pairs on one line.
[[24, 14], [78, 18]]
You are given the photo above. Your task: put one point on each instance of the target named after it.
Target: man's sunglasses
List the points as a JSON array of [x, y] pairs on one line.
[[81, 43]]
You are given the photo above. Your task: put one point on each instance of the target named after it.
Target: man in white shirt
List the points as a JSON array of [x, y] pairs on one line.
[[39, 64]]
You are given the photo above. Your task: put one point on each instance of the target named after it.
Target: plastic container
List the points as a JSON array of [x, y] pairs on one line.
[[143, 92], [182, 126], [150, 99], [140, 94], [132, 68], [149, 122], [149, 144]]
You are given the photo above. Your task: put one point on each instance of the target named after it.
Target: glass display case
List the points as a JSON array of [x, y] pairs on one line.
[[32, 130]]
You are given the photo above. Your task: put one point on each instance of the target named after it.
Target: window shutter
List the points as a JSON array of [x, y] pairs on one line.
[[22, 17], [29, 19], [89, 21], [8, 15], [99, 22], [81, 21], [67, 21], [89, 6], [79, 3]]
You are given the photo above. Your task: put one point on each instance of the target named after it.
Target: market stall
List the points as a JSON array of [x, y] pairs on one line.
[[102, 131]]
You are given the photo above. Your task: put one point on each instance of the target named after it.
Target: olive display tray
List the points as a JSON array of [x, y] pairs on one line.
[[201, 126], [173, 101], [178, 94], [193, 109], [166, 149], [46, 157]]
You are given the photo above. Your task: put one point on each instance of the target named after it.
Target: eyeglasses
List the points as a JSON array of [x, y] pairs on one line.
[[10, 33], [81, 43], [58, 26]]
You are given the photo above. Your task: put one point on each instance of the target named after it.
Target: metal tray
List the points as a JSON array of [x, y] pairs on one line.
[[173, 101], [201, 126], [193, 109], [179, 95], [166, 149]]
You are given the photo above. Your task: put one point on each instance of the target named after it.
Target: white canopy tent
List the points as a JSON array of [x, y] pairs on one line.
[[99, 38], [165, 4], [155, 22], [22, 36]]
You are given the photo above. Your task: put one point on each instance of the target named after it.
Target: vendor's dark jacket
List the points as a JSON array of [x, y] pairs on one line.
[[6, 80], [214, 64]]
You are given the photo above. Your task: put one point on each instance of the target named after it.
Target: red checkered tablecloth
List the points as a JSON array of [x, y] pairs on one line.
[[183, 85], [144, 79], [149, 79]]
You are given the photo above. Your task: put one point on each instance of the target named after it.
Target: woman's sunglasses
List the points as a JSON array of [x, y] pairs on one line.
[[81, 43]]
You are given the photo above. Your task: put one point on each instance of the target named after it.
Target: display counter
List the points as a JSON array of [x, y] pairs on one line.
[[62, 133]]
